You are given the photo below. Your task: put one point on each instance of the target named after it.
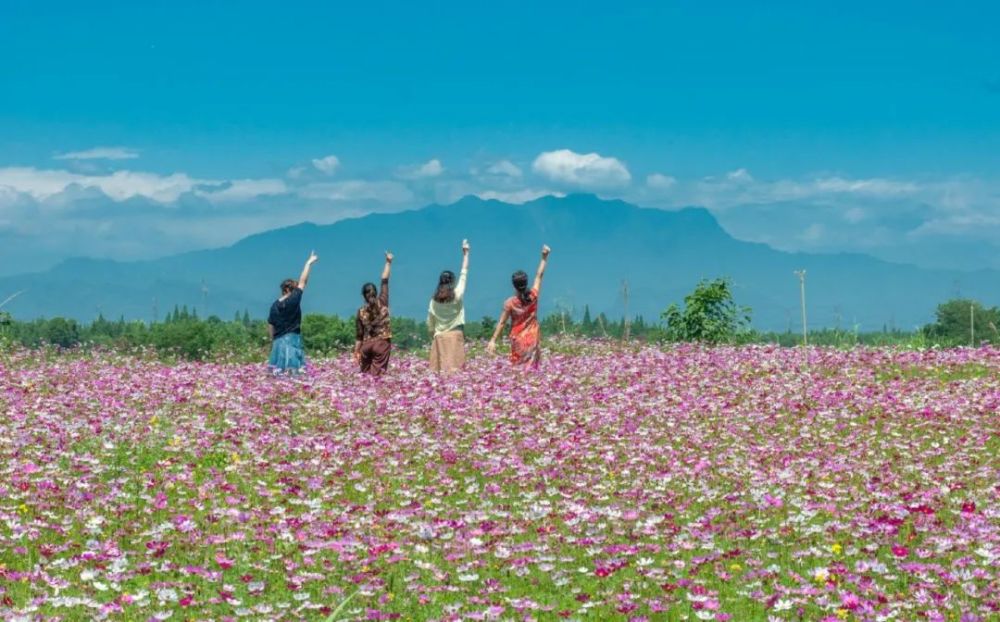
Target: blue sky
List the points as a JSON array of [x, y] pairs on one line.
[[152, 128]]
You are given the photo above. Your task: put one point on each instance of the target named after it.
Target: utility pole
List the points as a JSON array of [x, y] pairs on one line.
[[972, 325], [802, 296], [204, 298], [627, 324]]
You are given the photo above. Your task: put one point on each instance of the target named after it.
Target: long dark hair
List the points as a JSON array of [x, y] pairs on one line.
[[369, 293], [520, 281], [445, 291]]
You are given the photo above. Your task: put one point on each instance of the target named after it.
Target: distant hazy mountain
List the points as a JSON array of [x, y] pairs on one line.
[[596, 245]]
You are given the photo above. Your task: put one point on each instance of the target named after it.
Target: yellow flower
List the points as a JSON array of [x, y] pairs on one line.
[[836, 548], [23, 509], [236, 457], [842, 614], [153, 420], [735, 567]]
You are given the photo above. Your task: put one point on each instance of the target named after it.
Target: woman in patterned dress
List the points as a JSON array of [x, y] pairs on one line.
[[373, 341], [521, 310]]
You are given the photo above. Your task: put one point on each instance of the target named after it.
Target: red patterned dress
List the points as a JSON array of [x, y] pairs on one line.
[[525, 333]]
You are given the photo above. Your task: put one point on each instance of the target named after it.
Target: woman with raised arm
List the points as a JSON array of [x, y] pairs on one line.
[[284, 323], [373, 342], [446, 318], [522, 311]]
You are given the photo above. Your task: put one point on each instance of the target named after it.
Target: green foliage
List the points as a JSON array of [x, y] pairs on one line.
[[710, 315], [954, 323], [486, 326], [323, 334], [61, 332], [188, 338]]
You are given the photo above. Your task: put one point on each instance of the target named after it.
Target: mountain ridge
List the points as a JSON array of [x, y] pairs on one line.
[[596, 244]]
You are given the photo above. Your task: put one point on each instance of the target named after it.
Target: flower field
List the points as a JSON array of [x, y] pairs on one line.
[[678, 484]]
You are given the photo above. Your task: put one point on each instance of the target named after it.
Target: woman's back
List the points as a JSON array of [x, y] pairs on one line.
[[522, 314], [443, 316]]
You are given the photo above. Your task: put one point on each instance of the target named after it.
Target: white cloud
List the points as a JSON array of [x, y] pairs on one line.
[[873, 187], [813, 233], [242, 190], [587, 169], [740, 188], [100, 153], [43, 184], [740, 175], [57, 185], [355, 190], [854, 215], [326, 165], [660, 181], [505, 168], [518, 196], [431, 168]]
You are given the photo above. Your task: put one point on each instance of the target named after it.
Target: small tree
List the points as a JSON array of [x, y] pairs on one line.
[[486, 326], [710, 315], [5, 323], [61, 332], [953, 323]]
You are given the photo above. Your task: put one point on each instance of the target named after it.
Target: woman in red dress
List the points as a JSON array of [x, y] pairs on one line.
[[522, 311]]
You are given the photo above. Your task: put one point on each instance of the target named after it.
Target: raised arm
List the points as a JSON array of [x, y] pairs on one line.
[[491, 347], [541, 267], [386, 271], [460, 287], [388, 266], [304, 277]]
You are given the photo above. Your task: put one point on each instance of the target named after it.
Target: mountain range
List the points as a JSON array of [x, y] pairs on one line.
[[597, 246]]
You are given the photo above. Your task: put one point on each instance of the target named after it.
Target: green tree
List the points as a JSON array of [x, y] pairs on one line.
[[327, 333], [5, 327], [710, 315], [587, 324], [61, 332], [955, 319], [187, 337]]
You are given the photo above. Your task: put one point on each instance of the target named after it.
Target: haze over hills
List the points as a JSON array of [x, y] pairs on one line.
[[596, 245]]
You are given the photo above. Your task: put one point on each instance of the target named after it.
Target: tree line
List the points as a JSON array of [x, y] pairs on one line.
[[709, 314]]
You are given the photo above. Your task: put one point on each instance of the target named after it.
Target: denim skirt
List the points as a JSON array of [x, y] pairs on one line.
[[287, 353]]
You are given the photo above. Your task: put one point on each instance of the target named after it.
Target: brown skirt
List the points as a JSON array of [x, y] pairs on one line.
[[448, 351], [375, 356]]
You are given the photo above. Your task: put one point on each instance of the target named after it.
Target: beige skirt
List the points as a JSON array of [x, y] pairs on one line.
[[448, 351]]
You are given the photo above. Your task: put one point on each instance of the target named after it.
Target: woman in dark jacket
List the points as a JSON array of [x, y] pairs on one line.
[[284, 323]]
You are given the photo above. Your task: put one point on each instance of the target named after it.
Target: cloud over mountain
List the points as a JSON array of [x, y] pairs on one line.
[[586, 170], [327, 164], [100, 153], [48, 214], [431, 168]]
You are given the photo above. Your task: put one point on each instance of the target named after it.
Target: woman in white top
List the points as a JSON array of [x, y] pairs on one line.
[[446, 318]]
